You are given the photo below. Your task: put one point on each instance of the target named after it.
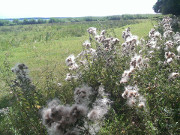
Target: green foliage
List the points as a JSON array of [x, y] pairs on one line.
[[167, 7], [44, 48], [26, 21], [4, 22], [162, 95]]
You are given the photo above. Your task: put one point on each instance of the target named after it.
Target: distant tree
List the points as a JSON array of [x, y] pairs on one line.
[[114, 17], [4, 22], [88, 18], [16, 21], [53, 20], [40, 21], [32, 21], [167, 7], [25, 21]]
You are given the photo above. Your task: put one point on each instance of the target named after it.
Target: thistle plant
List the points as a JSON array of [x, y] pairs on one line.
[[117, 88], [75, 119], [22, 77], [25, 105], [92, 101]]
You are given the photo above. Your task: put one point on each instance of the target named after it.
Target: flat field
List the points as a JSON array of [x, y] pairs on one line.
[[44, 47], [141, 81]]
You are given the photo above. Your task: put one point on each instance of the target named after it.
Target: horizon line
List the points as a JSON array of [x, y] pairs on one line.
[[74, 17]]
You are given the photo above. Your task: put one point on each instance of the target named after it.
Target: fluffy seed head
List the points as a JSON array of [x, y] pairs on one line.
[[178, 50], [81, 94], [173, 75], [70, 60], [92, 31], [87, 44]]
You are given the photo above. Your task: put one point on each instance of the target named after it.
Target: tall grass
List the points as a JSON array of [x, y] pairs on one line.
[[44, 49]]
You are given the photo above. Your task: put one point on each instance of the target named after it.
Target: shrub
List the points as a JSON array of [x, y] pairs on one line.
[[128, 88]]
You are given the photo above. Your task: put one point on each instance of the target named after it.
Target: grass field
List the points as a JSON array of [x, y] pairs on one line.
[[47, 46], [131, 87], [44, 48]]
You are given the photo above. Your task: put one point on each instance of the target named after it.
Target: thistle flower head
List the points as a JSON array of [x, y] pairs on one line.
[[101, 91], [78, 110], [169, 44], [168, 34], [59, 84], [69, 77], [131, 102], [126, 75], [4, 110], [126, 34], [82, 94], [178, 50], [151, 33], [21, 70], [47, 120], [157, 35], [178, 57], [136, 61], [100, 108], [100, 38], [132, 40], [176, 38], [142, 99], [173, 75], [115, 41], [70, 60], [57, 113], [92, 31], [169, 55], [133, 97], [103, 32], [169, 60], [59, 119], [53, 103], [125, 94], [87, 44], [94, 114], [92, 52], [74, 66], [141, 105], [23, 79], [152, 43]]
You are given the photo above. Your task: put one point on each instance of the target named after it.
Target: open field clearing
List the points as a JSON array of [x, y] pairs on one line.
[[88, 78], [46, 46], [90, 67]]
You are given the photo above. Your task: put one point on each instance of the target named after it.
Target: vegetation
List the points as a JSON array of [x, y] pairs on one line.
[[167, 7], [105, 70], [26, 21]]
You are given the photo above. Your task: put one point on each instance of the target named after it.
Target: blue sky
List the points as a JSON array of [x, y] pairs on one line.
[[73, 8]]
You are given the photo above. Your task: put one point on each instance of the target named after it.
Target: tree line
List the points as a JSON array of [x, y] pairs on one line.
[[6, 22]]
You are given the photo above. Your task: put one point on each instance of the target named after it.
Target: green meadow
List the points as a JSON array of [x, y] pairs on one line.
[[46, 46], [44, 49]]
